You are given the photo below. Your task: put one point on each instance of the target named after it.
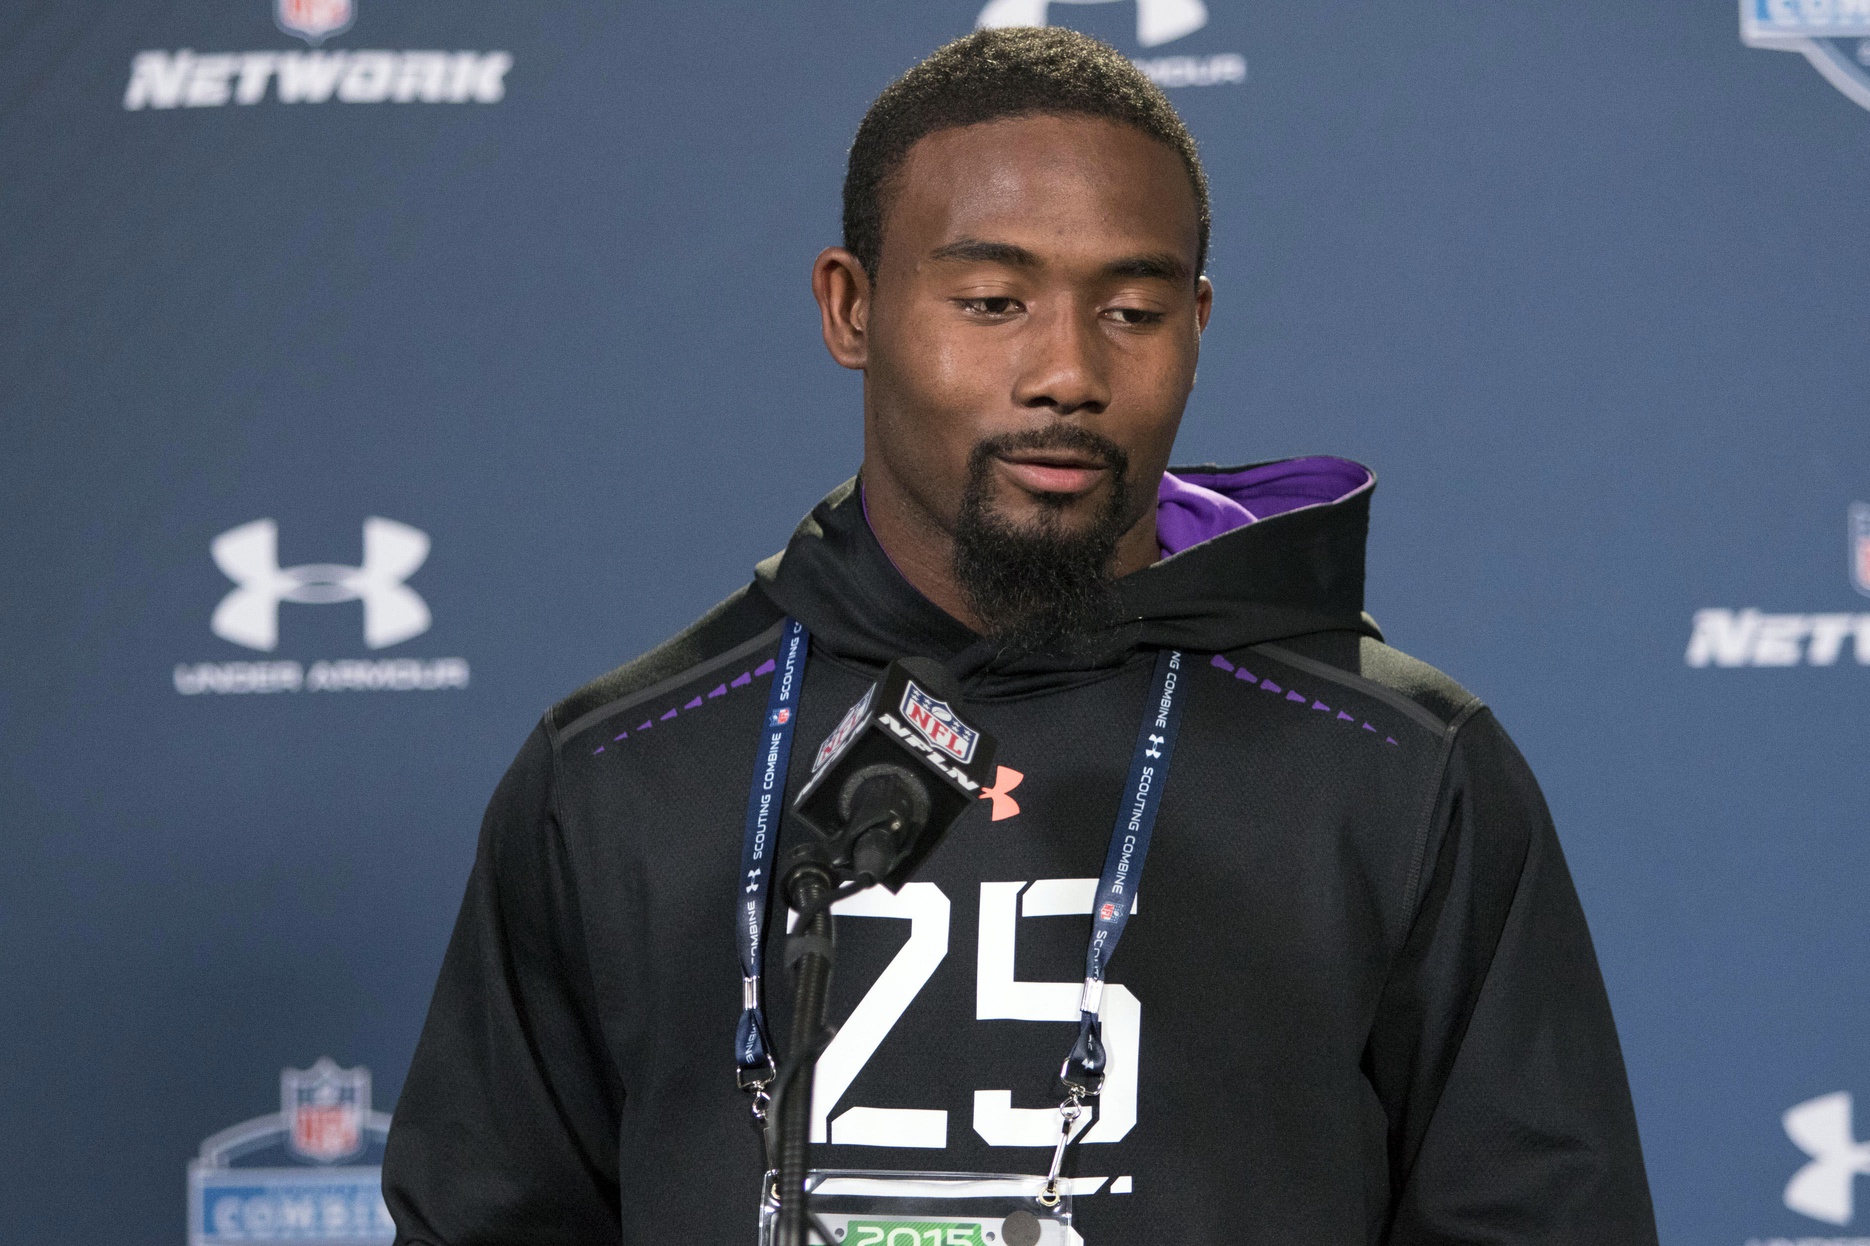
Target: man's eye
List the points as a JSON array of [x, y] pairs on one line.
[[1134, 316], [990, 306]]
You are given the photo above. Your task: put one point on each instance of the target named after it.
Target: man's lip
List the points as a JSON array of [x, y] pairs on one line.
[[1053, 473]]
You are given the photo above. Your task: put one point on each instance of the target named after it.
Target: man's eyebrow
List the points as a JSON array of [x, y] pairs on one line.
[[980, 251], [1167, 267]]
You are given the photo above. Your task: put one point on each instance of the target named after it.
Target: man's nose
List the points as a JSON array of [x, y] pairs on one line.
[[1063, 368]]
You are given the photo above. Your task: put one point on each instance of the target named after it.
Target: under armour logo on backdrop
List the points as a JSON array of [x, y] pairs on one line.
[[1821, 1128], [249, 556], [1157, 21]]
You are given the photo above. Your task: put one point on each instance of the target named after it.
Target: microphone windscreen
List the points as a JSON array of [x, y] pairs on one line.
[[909, 721]]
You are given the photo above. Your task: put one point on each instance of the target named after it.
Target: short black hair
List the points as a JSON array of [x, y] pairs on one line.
[[992, 74]]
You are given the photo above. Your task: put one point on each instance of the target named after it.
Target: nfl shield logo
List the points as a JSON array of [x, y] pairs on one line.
[[1107, 913], [937, 722], [325, 1107], [1860, 547], [314, 20], [781, 718]]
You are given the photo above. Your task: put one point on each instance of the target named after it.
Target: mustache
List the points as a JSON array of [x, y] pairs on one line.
[[1106, 452]]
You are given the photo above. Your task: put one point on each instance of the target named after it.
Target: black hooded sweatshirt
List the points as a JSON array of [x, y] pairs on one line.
[[1358, 1002]]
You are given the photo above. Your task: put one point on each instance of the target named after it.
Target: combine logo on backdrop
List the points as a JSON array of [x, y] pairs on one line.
[[1157, 22], [310, 1173], [1752, 637], [190, 79], [248, 615], [1834, 35]]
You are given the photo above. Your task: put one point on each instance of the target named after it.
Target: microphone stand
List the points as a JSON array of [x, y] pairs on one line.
[[884, 818], [810, 889]]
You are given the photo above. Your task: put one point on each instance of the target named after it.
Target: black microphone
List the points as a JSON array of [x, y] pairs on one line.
[[892, 778], [885, 787]]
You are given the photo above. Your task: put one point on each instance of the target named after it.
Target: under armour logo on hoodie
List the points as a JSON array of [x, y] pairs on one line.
[[1005, 779], [1822, 1129], [249, 556]]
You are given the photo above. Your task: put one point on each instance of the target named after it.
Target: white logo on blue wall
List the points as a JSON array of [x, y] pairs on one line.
[[1825, 1188], [1752, 637], [248, 615], [1157, 22], [314, 20], [1860, 547], [310, 1173], [185, 78], [1834, 35], [249, 556]]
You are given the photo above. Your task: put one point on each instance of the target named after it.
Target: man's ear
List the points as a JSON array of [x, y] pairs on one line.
[[842, 289]]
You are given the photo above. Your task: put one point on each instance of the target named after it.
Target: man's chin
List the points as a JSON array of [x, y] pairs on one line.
[[1052, 515]]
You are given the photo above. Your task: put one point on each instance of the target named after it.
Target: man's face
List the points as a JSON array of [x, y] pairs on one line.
[[1034, 326]]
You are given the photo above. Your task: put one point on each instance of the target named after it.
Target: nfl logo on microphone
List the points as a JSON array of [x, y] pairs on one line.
[[936, 721], [1860, 547]]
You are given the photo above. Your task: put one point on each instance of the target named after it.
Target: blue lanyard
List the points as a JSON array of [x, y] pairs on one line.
[[1123, 863], [753, 1049]]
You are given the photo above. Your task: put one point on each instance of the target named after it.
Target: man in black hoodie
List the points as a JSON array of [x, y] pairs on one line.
[[1359, 1004]]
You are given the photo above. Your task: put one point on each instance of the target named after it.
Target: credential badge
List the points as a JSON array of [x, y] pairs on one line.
[[939, 725]]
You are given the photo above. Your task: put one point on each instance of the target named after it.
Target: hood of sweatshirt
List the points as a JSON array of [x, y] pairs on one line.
[[1251, 554]]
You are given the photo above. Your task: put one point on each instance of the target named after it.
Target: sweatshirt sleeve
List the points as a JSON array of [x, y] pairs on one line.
[[1493, 1051], [506, 1131]]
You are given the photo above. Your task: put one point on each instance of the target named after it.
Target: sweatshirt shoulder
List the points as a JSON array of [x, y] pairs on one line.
[[744, 623], [1430, 698]]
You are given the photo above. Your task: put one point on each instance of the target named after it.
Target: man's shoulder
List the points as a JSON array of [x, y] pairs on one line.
[[1430, 699], [743, 624]]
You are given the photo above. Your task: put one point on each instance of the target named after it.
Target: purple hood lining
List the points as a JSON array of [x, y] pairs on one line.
[[1197, 506]]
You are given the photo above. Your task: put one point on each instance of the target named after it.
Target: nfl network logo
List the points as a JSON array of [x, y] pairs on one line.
[[314, 20], [937, 722], [1834, 35]]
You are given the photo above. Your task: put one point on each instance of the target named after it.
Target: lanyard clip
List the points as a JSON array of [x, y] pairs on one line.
[[756, 1082], [1068, 1113], [1082, 1074]]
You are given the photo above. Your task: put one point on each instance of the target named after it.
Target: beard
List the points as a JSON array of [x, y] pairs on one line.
[[1041, 584]]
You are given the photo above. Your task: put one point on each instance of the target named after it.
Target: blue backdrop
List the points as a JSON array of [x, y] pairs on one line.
[[1584, 282]]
